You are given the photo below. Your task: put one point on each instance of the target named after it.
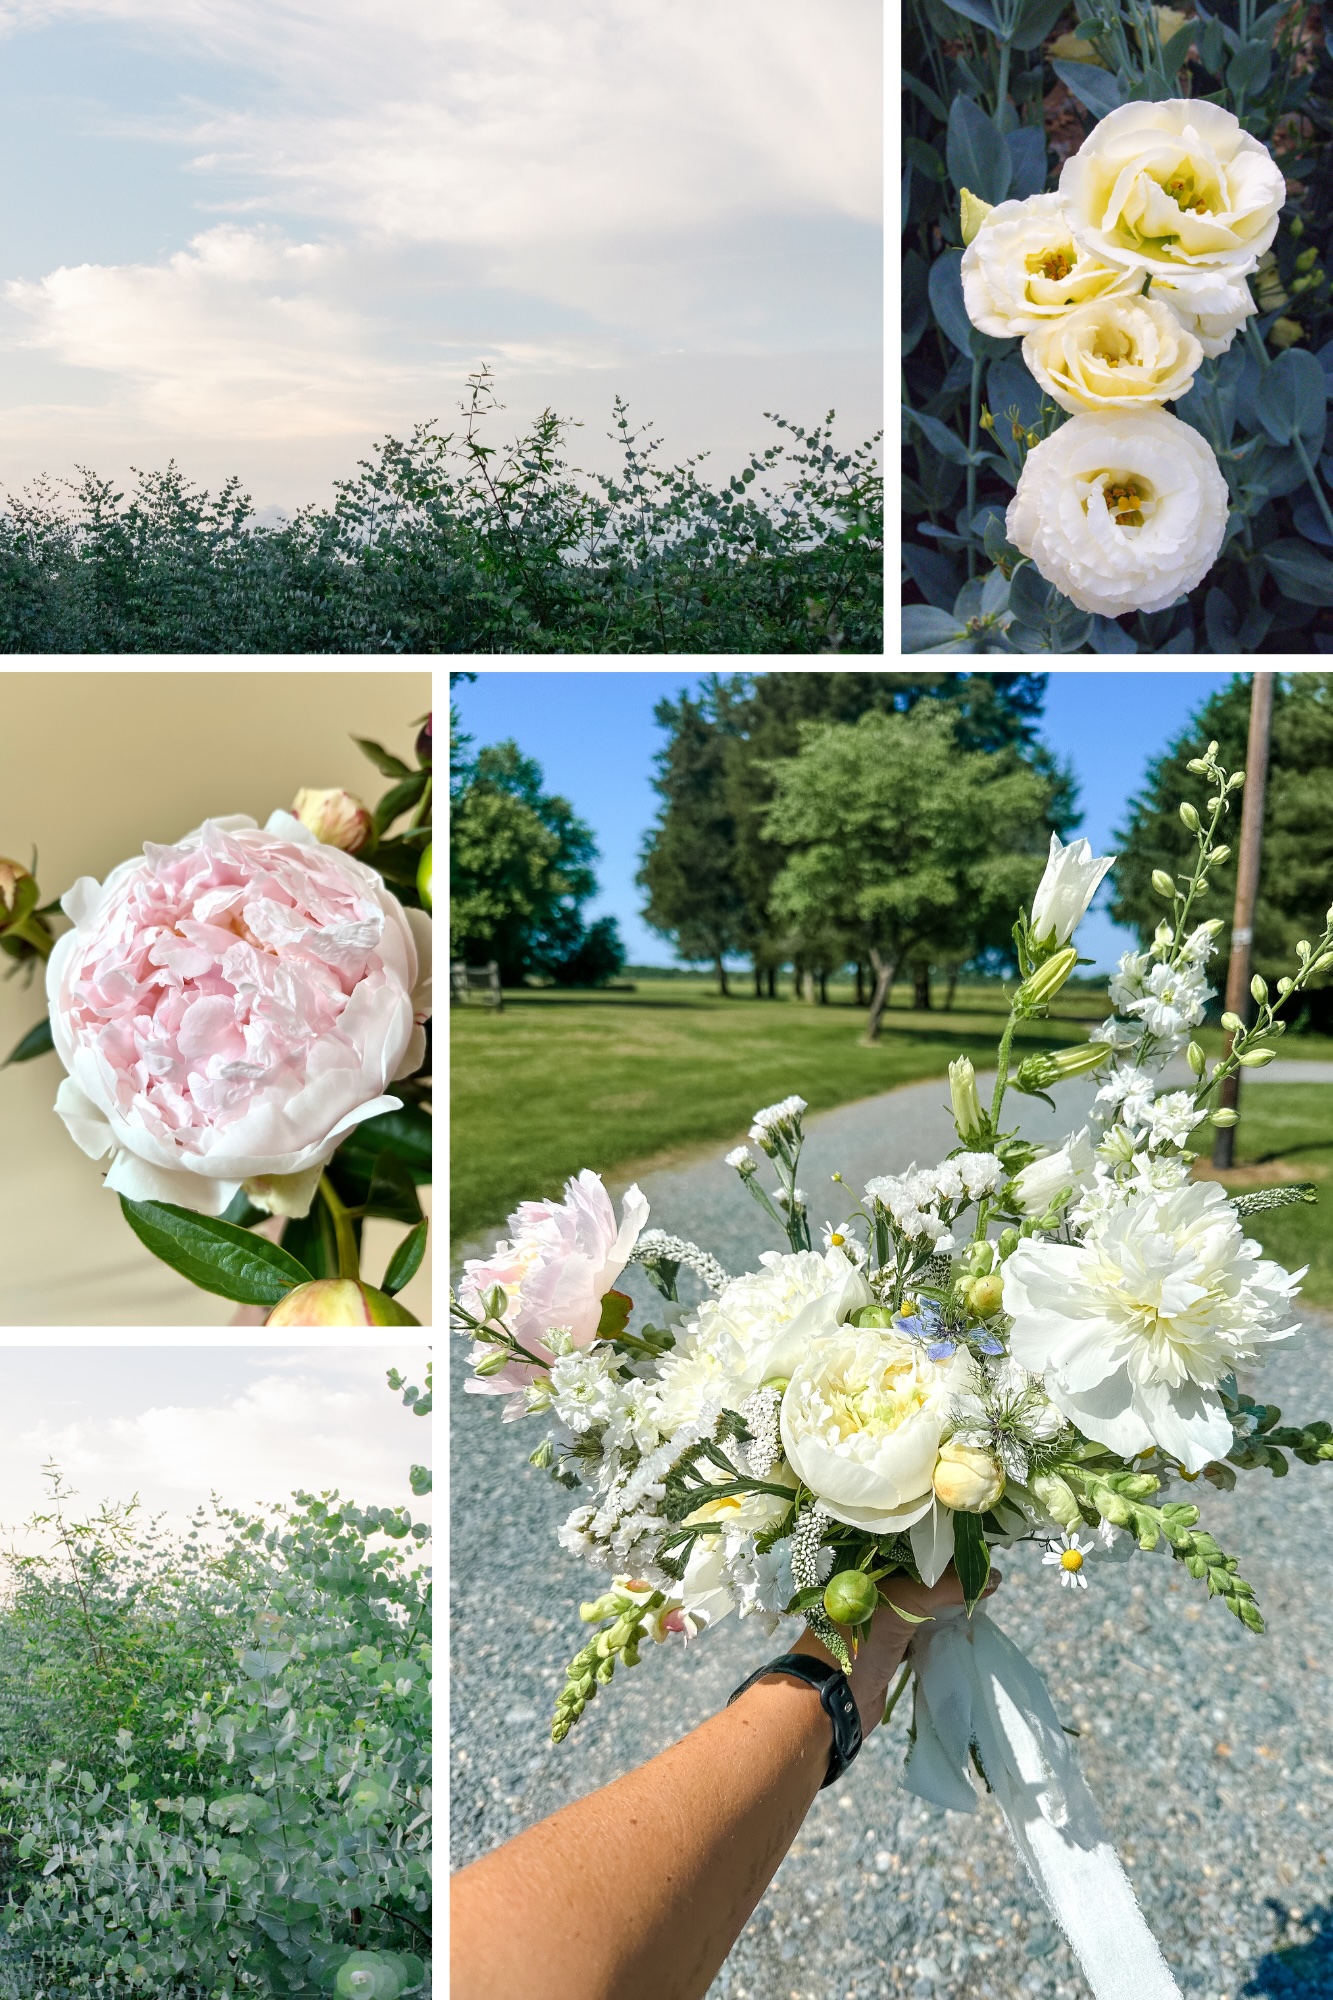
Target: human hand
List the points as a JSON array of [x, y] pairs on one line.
[[880, 1656]]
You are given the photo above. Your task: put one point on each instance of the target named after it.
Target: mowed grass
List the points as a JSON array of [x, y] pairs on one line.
[[1286, 1133], [563, 1080]]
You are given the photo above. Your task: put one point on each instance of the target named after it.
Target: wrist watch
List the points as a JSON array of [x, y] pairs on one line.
[[836, 1699]]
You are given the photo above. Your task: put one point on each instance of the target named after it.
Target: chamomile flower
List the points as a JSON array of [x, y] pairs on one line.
[[838, 1236], [1068, 1555]]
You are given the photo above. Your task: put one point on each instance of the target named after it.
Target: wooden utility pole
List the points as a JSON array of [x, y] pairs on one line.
[[1247, 890]]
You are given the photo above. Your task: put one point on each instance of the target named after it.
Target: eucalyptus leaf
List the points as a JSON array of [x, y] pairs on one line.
[[934, 104], [1029, 594], [1027, 154], [215, 1255], [924, 626], [934, 575], [1300, 572], [979, 11], [1109, 637], [1221, 621], [1094, 88], [978, 156], [1036, 18], [1250, 68], [945, 285], [1310, 522], [1291, 399]]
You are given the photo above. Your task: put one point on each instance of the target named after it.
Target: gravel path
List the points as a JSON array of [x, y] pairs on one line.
[[1209, 1749]]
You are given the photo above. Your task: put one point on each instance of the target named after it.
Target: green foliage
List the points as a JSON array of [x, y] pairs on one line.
[[215, 1255], [978, 114], [216, 1756], [1296, 878], [442, 544]]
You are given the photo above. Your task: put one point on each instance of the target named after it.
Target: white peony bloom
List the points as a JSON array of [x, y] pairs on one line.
[[1212, 308], [1071, 880], [1133, 1329], [862, 1419], [1121, 511], [1069, 1166], [1023, 269], [1114, 354], [1171, 187]]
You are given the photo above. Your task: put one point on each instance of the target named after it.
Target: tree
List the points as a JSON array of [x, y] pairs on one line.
[[901, 840], [689, 865], [520, 873], [1296, 873]]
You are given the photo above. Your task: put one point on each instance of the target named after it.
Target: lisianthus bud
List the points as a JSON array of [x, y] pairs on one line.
[[338, 819], [967, 1480], [967, 1112], [12, 874], [850, 1597], [339, 1302], [1047, 980], [972, 212], [423, 878]]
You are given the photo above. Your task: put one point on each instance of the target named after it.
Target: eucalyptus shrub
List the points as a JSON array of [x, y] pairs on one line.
[[997, 94], [216, 1756]]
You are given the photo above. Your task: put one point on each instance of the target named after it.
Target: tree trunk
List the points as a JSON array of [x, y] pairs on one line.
[[772, 982], [952, 989], [884, 970], [758, 980], [860, 983], [921, 987], [823, 988], [721, 972], [807, 986]]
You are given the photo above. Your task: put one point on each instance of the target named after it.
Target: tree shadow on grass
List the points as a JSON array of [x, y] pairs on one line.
[[1295, 1971]]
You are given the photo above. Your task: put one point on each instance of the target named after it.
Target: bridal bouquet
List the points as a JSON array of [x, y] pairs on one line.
[[1012, 1344], [1150, 273], [242, 1019]]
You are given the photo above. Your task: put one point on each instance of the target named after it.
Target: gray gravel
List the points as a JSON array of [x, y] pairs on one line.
[[1208, 1748]]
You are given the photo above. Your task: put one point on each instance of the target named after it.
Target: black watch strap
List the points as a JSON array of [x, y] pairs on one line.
[[836, 1699]]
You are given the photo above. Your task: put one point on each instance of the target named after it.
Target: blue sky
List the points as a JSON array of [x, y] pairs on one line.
[[256, 234], [594, 736]]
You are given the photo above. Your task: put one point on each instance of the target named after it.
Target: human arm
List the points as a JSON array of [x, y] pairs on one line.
[[645, 1885]]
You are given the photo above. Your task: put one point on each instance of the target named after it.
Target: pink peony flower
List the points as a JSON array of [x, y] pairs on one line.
[[563, 1260], [229, 1008]]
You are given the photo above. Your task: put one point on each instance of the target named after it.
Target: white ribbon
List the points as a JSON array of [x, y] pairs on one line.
[[976, 1692]]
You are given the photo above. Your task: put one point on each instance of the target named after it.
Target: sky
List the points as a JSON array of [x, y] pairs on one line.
[[256, 234], [594, 736], [174, 1424]]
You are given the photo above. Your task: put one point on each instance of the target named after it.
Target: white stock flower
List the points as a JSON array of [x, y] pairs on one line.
[[1173, 999], [1114, 354], [1133, 1329], [1069, 1166], [1172, 1118], [1067, 887], [862, 1419], [1122, 511], [1174, 186], [1213, 308], [1023, 269]]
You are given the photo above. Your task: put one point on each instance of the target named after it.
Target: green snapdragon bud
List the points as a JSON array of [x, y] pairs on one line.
[[1009, 1241]]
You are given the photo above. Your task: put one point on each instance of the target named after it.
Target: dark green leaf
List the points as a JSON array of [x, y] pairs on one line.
[[1300, 572], [923, 156], [398, 798], [1027, 154], [1211, 48], [393, 1191], [936, 106], [1310, 523], [406, 1260], [1029, 595], [924, 626], [1036, 18], [1010, 386], [979, 11], [383, 760], [37, 1042], [406, 1132], [215, 1255], [978, 157], [946, 442], [1108, 637], [1095, 88], [971, 1556], [1290, 400], [934, 575], [242, 1211], [1221, 620], [945, 285], [1250, 68], [1177, 49], [915, 300], [310, 1239]]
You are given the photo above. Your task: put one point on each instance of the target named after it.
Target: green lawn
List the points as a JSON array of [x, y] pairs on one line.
[[1291, 1126], [564, 1080]]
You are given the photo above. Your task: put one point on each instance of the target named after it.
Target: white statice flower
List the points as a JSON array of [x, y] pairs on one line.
[[1023, 269], [1069, 1555], [1069, 1166], [1070, 880], [1174, 187], [759, 1326], [1114, 354], [862, 1421], [777, 1121], [1126, 984], [583, 1388], [1129, 1092], [1133, 1329], [1200, 945], [1172, 1118], [1121, 510], [924, 1200], [1212, 308], [743, 1160], [1118, 1034], [1173, 1000]]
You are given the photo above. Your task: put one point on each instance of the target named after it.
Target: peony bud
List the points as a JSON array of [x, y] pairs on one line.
[[1162, 882], [967, 1480], [339, 1302], [850, 1597], [12, 875], [423, 879], [423, 743], [968, 1116], [338, 819]]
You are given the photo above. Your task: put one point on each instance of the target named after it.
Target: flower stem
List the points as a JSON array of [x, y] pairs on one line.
[[33, 932], [1002, 1070], [974, 424], [1312, 481], [419, 817], [1002, 89], [349, 1264], [896, 1696]]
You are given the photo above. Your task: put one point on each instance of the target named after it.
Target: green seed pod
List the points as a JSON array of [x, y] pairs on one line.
[[1225, 1116], [1196, 1058], [850, 1597], [1163, 884], [1219, 857], [1189, 816]]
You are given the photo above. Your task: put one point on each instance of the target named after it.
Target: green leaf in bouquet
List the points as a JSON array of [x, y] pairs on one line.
[[383, 760], [923, 156], [934, 575], [935, 105], [243, 1212], [1291, 400], [1109, 637], [37, 1042], [406, 1132], [393, 1189], [1310, 523], [915, 300], [1096, 89], [945, 286], [1299, 571], [310, 1239], [398, 798], [406, 1259], [979, 11], [971, 1556], [1221, 620], [979, 159], [215, 1255]]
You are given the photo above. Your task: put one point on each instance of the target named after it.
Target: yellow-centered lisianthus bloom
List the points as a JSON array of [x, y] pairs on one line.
[[1023, 268], [1113, 354]]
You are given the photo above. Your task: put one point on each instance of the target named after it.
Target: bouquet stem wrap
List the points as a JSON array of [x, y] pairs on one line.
[[975, 1691]]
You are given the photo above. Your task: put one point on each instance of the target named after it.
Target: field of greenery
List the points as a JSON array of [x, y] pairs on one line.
[[449, 543], [215, 1754], [1286, 1133]]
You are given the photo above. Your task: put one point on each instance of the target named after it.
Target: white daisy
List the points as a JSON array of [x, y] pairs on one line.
[[1068, 1556]]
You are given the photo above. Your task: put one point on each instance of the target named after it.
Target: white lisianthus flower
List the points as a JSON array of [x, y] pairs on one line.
[[1114, 354], [1174, 186], [1122, 511], [1069, 1166], [1133, 1329], [1023, 269], [1067, 887], [862, 1419], [1212, 308]]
